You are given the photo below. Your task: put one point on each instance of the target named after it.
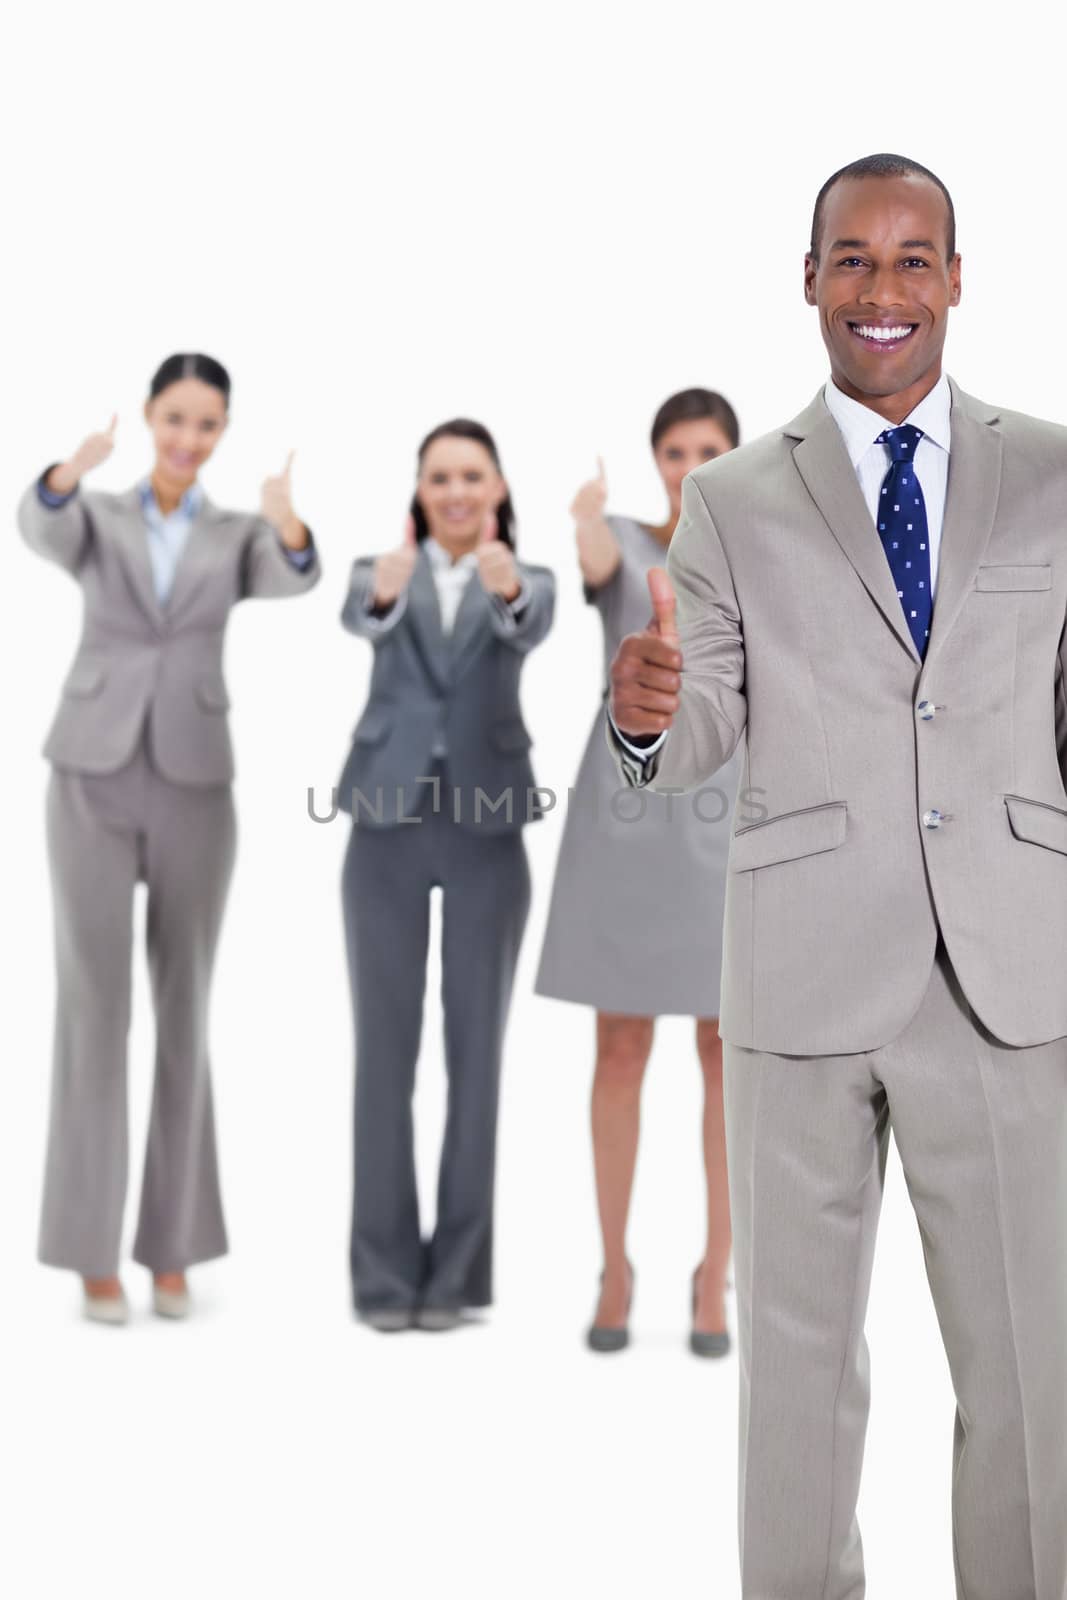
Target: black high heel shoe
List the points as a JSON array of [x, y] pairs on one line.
[[605, 1341]]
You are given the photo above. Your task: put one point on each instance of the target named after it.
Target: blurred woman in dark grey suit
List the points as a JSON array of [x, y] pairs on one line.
[[635, 924], [439, 785], [140, 791]]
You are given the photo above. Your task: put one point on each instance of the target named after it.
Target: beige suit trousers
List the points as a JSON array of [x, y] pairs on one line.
[[105, 833], [981, 1128]]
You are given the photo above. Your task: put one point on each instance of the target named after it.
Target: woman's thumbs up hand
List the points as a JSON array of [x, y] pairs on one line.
[[94, 449]]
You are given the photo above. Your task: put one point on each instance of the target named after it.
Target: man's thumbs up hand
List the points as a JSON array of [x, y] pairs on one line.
[[664, 606], [646, 672]]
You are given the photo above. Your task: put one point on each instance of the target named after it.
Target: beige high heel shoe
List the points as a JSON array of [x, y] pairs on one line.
[[113, 1310], [174, 1304]]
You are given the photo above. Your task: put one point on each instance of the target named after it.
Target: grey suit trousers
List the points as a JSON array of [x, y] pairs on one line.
[[106, 833], [485, 884], [981, 1128]]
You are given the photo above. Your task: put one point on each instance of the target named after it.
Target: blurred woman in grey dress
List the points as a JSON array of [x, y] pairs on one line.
[[622, 857]]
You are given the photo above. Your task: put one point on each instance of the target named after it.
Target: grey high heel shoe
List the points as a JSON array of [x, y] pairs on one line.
[[709, 1345], [438, 1319], [388, 1320], [605, 1341]]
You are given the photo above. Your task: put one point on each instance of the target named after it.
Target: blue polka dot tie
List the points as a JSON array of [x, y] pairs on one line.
[[903, 531]]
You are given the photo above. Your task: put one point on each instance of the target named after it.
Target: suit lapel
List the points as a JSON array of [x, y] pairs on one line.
[[192, 565], [470, 627], [426, 620], [970, 508], [830, 478], [132, 538]]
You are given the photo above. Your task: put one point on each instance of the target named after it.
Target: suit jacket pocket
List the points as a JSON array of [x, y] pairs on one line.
[[374, 725], [510, 737], [789, 836], [85, 678], [211, 693], [1002, 579], [1037, 822]]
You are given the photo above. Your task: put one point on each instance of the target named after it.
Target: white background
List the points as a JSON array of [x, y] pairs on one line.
[[548, 217]]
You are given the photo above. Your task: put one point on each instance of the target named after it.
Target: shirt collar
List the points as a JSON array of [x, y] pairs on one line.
[[442, 561], [188, 506], [860, 426]]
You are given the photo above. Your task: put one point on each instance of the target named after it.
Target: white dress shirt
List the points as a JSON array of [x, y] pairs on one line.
[[450, 579], [860, 427], [168, 533]]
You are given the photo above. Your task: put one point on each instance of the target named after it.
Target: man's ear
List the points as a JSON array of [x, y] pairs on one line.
[[955, 279], [811, 266]]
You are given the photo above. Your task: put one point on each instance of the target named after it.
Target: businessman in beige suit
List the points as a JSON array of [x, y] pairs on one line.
[[875, 596]]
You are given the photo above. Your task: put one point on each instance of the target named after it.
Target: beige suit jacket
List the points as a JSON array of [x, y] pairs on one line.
[[791, 630], [138, 660]]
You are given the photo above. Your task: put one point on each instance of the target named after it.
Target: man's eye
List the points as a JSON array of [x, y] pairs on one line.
[[916, 261], [851, 261]]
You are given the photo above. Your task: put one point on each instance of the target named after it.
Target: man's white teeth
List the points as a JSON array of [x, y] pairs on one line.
[[883, 335]]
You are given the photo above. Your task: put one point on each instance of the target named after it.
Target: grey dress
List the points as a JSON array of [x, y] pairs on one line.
[[635, 923]]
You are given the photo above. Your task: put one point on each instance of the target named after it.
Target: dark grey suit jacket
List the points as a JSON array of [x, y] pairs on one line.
[[429, 688], [137, 658]]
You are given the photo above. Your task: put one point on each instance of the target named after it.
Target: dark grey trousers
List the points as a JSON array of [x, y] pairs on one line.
[[104, 834], [388, 875]]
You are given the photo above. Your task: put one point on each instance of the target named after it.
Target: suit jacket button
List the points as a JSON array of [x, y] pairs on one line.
[[933, 818], [926, 710]]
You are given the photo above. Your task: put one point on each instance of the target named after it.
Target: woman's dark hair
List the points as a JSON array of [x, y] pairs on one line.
[[206, 368], [463, 428], [691, 405]]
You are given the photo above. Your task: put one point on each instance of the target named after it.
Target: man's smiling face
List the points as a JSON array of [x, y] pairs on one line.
[[883, 282]]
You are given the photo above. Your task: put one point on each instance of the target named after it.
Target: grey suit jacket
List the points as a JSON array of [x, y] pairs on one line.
[[138, 660], [461, 690], [791, 628]]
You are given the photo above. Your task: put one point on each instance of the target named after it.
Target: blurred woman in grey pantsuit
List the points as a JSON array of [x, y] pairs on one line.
[[439, 786], [140, 791], [635, 924]]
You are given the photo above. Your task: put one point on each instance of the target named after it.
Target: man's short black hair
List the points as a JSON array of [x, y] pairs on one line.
[[881, 166]]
